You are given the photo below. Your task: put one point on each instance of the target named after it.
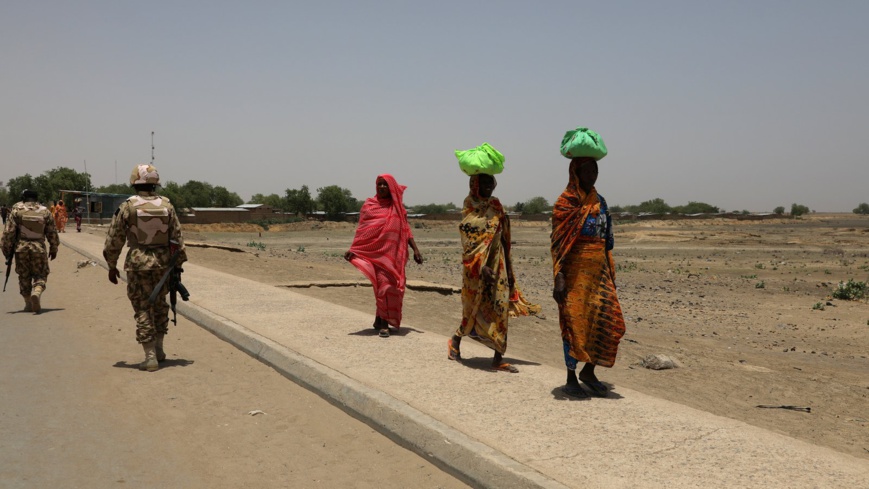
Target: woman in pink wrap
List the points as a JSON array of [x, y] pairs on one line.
[[379, 250]]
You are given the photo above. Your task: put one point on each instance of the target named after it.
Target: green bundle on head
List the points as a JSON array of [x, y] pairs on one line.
[[483, 159], [582, 142]]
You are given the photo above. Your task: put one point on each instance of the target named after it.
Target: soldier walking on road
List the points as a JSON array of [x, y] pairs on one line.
[[148, 224], [28, 226]]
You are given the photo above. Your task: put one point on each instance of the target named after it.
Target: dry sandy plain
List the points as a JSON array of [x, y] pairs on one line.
[[732, 301]]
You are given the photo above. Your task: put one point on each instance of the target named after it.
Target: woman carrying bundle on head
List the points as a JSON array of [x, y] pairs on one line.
[[379, 250], [589, 312], [488, 282]]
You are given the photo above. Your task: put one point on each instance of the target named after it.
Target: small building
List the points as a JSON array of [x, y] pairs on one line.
[[99, 207], [213, 215], [259, 211]]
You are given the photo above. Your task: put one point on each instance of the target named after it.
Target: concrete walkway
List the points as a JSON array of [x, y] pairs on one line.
[[493, 429]]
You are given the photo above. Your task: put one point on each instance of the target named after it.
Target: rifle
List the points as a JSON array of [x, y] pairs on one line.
[[173, 275], [8, 269]]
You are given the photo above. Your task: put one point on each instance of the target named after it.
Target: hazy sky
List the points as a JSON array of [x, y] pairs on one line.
[[743, 105]]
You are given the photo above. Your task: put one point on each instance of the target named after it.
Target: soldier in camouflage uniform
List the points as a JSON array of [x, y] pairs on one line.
[[148, 224], [28, 226]]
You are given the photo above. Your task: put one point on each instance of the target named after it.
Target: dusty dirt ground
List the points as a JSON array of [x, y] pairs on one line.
[[76, 412], [732, 301]]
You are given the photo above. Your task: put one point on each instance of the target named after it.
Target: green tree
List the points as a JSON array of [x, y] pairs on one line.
[[198, 194], [617, 209], [696, 208], [335, 201], [299, 201], [175, 194], [221, 197], [273, 200], [19, 184], [862, 209], [798, 210], [779, 210], [654, 206], [116, 188], [51, 182], [536, 205], [519, 207], [430, 209]]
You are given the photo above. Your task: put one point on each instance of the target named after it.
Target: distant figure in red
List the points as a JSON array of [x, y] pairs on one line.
[[379, 250]]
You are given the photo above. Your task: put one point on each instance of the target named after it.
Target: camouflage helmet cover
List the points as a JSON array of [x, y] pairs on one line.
[[144, 174]]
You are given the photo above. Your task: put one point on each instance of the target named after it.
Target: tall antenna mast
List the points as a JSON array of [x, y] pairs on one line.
[[152, 147]]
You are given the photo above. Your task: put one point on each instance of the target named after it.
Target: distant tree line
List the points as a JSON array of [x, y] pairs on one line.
[[659, 206], [51, 182]]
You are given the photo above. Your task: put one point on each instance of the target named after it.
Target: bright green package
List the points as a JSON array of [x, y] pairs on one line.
[[482, 159], [583, 142]]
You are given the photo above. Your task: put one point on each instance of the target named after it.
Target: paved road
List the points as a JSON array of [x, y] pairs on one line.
[[75, 412], [497, 430]]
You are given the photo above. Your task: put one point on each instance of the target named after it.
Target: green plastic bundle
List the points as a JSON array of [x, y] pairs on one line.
[[482, 159], [583, 142]]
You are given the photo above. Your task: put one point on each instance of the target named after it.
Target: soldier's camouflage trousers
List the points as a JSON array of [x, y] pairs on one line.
[[153, 319], [32, 270]]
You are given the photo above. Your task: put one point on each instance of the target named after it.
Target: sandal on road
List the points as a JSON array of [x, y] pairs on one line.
[[505, 367], [574, 391], [453, 353], [596, 387], [384, 333]]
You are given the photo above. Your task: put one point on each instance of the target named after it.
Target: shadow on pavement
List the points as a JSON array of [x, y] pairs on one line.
[[42, 311], [485, 363], [175, 362], [558, 395], [369, 331]]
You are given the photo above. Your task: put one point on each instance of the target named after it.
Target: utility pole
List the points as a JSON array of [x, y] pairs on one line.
[[87, 193], [152, 147]]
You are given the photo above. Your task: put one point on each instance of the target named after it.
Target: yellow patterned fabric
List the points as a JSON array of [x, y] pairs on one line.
[[485, 232]]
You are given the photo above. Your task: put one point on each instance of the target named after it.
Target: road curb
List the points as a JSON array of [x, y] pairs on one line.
[[453, 451]]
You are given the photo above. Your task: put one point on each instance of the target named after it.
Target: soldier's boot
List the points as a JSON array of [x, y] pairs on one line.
[[158, 347], [35, 299], [28, 307], [150, 363]]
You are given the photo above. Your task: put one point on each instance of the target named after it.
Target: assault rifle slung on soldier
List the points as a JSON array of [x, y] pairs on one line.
[[8, 270], [173, 275]]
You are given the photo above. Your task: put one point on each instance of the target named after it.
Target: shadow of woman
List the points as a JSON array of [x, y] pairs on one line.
[[369, 331], [484, 363], [559, 395]]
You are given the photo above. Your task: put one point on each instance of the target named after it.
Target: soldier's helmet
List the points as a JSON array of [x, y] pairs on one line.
[[27, 193], [144, 174]]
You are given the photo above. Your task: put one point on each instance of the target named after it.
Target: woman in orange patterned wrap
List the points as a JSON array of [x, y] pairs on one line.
[[589, 312]]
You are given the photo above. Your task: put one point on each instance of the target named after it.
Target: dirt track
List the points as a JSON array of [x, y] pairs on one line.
[[731, 300]]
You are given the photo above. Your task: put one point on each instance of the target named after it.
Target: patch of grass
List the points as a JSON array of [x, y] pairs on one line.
[[760, 285], [748, 277], [257, 245], [300, 249], [759, 266], [628, 266], [818, 306], [852, 290], [827, 272]]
